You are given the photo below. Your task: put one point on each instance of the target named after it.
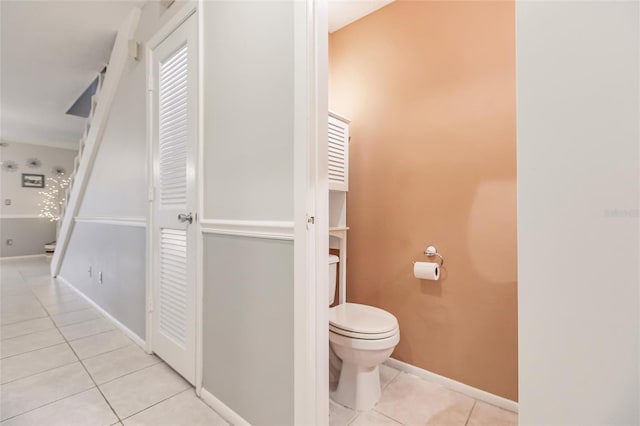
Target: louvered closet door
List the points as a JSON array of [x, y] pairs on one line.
[[338, 155], [174, 108]]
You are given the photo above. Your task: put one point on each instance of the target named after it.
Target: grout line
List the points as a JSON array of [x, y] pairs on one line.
[[102, 332], [133, 372], [64, 312], [49, 403], [33, 350], [113, 350], [388, 417], [159, 402], [81, 363], [22, 320], [26, 334], [471, 412], [39, 372]]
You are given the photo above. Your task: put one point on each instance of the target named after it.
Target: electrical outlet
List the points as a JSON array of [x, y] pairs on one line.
[[9, 242], [100, 277], [7, 201]]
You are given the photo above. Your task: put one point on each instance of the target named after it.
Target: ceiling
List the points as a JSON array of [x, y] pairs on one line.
[[50, 52], [344, 12]]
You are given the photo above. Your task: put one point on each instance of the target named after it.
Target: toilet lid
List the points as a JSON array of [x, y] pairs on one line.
[[362, 319]]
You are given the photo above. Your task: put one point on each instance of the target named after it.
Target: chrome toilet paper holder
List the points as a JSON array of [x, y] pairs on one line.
[[431, 251]]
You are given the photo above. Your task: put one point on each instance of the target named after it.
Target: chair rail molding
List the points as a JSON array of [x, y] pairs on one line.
[[21, 216], [139, 222], [117, 65], [274, 230]]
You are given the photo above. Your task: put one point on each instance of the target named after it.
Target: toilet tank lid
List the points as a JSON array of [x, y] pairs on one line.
[[333, 259]]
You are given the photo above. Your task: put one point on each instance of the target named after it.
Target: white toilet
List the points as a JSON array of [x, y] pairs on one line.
[[363, 337]]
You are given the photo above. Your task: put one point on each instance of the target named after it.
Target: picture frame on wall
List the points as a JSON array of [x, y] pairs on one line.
[[32, 181]]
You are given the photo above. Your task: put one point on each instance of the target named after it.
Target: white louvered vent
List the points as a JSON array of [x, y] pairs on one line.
[[173, 129], [172, 295], [338, 155]]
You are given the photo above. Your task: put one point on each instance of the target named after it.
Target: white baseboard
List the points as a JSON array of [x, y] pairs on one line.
[[130, 334], [31, 256], [221, 408], [470, 391]]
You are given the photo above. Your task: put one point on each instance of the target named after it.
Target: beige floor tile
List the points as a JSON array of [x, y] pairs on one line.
[[488, 415], [387, 374], [84, 409], [411, 400], [14, 289], [30, 342], [52, 289], [17, 302], [70, 306], [57, 298], [86, 328], [24, 395], [111, 365], [75, 317], [24, 314], [339, 415], [32, 269], [30, 363], [100, 343], [184, 409], [37, 281], [25, 327], [372, 418], [140, 390]]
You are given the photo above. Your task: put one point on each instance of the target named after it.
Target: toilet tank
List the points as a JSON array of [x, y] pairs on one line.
[[333, 277]]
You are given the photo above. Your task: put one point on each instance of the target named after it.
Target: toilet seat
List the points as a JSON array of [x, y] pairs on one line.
[[358, 321], [365, 344], [364, 336]]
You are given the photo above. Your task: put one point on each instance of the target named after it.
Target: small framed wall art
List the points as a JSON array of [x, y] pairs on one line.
[[32, 181]]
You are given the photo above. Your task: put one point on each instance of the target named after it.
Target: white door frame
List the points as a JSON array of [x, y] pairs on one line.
[[311, 199], [311, 334], [171, 25]]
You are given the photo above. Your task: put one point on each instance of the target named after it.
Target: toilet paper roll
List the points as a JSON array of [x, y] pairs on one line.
[[426, 270]]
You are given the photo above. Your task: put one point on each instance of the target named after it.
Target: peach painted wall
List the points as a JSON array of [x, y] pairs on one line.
[[430, 89]]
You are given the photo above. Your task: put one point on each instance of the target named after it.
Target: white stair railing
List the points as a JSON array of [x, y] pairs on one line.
[[95, 126]]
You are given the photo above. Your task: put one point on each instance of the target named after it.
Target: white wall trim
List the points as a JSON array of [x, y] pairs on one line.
[[200, 201], [274, 230], [21, 216], [139, 222], [130, 334], [176, 20], [29, 256], [221, 408], [454, 385]]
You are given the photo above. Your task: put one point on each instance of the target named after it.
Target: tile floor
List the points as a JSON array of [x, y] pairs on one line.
[[409, 400], [62, 363]]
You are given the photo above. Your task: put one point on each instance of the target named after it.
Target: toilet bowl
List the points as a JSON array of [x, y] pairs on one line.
[[363, 337]]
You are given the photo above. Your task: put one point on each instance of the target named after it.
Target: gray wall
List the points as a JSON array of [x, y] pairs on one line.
[[117, 189], [248, 176], [578, 186], [119, 252], [248, 292], [29, 236]]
